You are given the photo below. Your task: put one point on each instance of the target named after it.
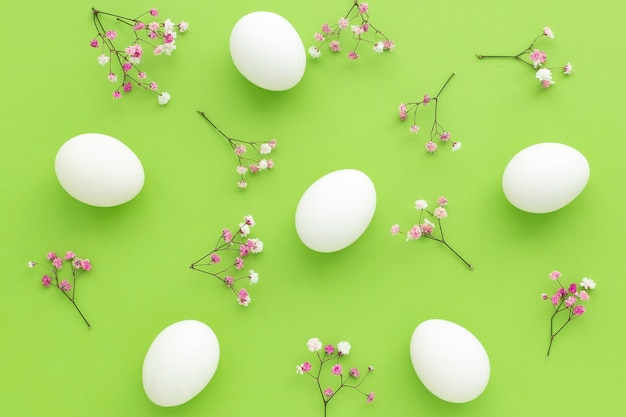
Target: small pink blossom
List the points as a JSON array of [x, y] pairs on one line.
[[183, 27], [45, 280], [554, 275], [112, 77], [544, 296], [555, 299], [85, 264], [57, 263], [568, 69], [240, 150], [426, 99], [249, 220], [326, 28], [94, 43], [354, 372], [318, 36], [370, 397], [254, 168], [244, 251], [168, 37], [77, 263], [445, 136], [142, 75], [548, 32], [430, 146], [116, 94], [546, 83], [572, 288], [244, 297], [111, 34], [127, 87], [402, 111], [51, 256], [414, 233], [272, 143], [154, 86], [69, 255], [270, 163], [159, 49], [238, 263], [353, 55], [389, 45], [328, 392], [337, 370], [329, 349], [215, 258], [395, 229], [227, 235], [570, 301], [65, 286], [538, 57], [363, 7], [139, 26], [414, 128], [127, 66], [334, 46], [228, 280], [154, 12], [427, 228], [578, 310], [584, 295], [442, 201], [306, 366], [343, 23], [440, 213]]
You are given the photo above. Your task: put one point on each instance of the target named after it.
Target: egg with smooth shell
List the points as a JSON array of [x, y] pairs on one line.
[[335, 210], [99, 170], [180, 362], [449, 360], [545, 177], [267, 50]]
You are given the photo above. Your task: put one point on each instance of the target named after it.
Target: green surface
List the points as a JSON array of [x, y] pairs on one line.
[[341, 115]]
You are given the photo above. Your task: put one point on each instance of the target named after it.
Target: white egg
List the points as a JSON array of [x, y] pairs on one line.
[[180, 362], [99, 170], [545, 177], [449, 360], [335, 210], [268, 51]]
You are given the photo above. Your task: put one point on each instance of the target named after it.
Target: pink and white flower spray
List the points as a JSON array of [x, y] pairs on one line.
[[536, 58], [330, 376], [226, 261]]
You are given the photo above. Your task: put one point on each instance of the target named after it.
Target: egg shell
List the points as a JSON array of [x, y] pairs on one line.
[[449, 360], [545, 177], [99, 170], [268, 51], [335, 210], [180, 362]]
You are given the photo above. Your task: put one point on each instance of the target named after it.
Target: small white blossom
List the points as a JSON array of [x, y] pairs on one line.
[[244, 229], [421, 204], [314, 344], [164, 98], [588, 283], [168, 48], [31, 264], [314, 52], [265, 149], [249, 220], [254, 277], [299, 370], [429, 223], [343, 348], [257, 246], [241, 170], [183, 26], [242, 184], [103, 59], [379, 47], [544, 74], [168, 26], [456, 146], [263, 164]]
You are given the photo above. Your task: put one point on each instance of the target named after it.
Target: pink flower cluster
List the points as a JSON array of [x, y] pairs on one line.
[[566, 301], [536, 58], [347, 377], [242, 246], [51, 278], [429, 228], [356, 22], [160, 36], [437, 132], [242, 149]]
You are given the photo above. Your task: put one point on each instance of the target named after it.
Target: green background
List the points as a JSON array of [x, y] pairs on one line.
[[341, 115]]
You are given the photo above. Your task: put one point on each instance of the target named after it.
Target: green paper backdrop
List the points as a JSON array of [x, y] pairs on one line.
[[342, 114]]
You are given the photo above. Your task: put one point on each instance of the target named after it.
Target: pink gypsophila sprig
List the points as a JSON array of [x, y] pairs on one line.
[[357, 23], [437, 131], [330, 373], [228, 257], [67, 286], [429, 225], [568, 301], [160, 37], [243, 149], [535, 59]]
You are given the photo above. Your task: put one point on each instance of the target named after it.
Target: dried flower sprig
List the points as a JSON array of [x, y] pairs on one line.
[[364, 32], [245, 163], [567, 300], [437, 130], [535, 58], [426, 228], [242, 245], [77, 266], [146, 34], [347, 378]]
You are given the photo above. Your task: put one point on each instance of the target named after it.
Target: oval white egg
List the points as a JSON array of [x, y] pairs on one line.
[[180, 362], [449, 360], [99, 170], [545, 177], [335, 210], [268, 51]]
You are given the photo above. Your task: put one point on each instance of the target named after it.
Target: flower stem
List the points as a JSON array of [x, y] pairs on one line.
[[212, 124], [77, 309], [444, 85]]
